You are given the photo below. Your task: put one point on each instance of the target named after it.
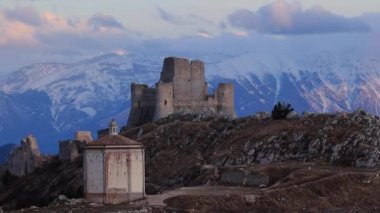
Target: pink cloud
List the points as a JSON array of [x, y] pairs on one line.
[[25, 26], [16, 33]]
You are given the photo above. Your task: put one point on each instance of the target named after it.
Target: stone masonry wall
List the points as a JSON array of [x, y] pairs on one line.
[[224, 94], [164, 100], [68, 151], [25, 158], [84, 136], [143, 102]]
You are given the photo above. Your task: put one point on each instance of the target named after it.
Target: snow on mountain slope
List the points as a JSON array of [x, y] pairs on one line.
[[327, 82], [87, 86], [53, 100], [83, 95]]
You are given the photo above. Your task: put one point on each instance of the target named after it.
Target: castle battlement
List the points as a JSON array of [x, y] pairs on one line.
[[182, 87]]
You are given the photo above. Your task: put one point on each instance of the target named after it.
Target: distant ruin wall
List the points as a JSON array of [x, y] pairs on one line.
[[182, 87], [70, 150], [84, 136], [25, 158]]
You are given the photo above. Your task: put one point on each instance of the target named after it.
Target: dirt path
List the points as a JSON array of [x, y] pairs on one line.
[[316, 180], [158, 200]]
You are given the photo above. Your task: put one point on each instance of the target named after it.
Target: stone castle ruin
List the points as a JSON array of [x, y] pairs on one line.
[[25, 158], [182, 87], [69, 150]]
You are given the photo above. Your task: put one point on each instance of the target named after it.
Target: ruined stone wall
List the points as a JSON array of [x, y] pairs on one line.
[[143, 100], [210, 104], [70, 150], [25, 158], [83, 136]]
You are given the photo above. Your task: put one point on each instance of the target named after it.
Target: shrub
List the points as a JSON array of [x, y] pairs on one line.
[[281, 110]]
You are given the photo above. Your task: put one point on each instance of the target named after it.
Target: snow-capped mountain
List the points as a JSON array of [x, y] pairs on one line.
[[83, 95], [53, 100], [325, 83]]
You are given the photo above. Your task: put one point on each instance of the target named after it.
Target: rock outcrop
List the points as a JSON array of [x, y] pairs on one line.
[[188, 141]]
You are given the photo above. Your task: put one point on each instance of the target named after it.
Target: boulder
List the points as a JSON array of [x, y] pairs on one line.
[[292, 115], [152, 189], [62, 197], [262, 115]]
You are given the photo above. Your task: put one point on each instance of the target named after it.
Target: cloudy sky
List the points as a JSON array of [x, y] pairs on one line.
[[33, 31]]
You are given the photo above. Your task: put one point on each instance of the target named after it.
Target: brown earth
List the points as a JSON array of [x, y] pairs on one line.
[[305, 187], [310, 188]]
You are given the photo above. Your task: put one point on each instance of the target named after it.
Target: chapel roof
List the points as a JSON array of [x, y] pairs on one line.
[[113, 140]]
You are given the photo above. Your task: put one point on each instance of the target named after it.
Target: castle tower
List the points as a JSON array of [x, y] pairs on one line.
[[225, 99], [114, 169], [164, 100]]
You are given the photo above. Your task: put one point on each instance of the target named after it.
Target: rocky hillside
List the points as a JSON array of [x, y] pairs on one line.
[[43, 186], [268, 157], [193, 144]]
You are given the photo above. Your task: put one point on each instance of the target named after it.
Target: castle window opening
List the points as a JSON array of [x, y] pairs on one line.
[[188, 80], [166, 102]]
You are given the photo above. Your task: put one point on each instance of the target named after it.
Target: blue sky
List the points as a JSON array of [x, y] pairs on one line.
[[34, 31]]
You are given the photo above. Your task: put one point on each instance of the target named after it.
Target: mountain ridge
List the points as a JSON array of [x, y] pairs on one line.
[[84, 95]]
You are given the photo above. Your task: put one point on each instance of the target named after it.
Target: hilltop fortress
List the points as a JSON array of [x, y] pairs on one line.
[[182, 87]]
